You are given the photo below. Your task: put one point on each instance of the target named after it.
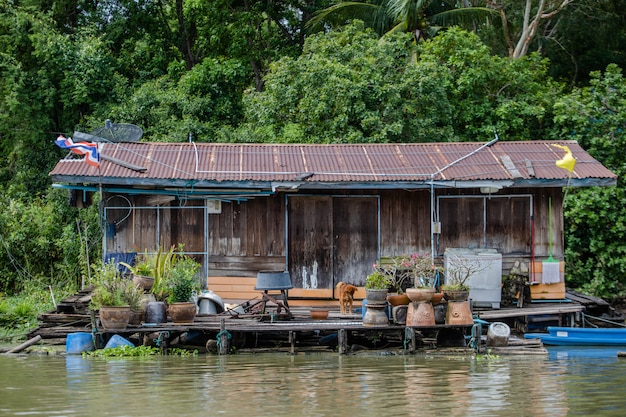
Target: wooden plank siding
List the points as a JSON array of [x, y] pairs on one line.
[[251, 235]]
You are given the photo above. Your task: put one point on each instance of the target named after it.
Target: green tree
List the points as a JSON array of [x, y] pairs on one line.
[[348, 86], [491, 93], [421, 18], [595, 223]]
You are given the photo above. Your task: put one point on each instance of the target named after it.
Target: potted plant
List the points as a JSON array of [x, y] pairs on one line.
[[376, 287], [182, 284], [457, 274], [159, 265], [111, 297], [143, 271], [422, 273]]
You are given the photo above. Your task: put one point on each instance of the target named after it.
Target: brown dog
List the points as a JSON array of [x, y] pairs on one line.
[[346, 297]]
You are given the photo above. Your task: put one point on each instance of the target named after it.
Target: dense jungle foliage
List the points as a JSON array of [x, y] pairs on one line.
[[303, 71]]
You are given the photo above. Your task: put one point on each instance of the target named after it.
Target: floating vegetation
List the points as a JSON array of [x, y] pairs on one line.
[[138, 351]]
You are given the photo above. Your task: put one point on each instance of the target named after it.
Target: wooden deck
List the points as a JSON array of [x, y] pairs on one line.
[[300, 331]]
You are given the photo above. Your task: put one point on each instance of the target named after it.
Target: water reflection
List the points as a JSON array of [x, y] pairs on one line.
[[314, 384]]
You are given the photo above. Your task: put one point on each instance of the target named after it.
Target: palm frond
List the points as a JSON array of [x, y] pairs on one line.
[[342, 11], [464, 17]]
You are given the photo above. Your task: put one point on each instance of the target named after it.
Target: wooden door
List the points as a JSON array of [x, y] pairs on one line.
[[355, 226], [331, 239], [310, 242]]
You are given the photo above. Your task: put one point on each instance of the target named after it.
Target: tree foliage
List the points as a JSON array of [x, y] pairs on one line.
[[228, 70], [349, 86], [596, 230]]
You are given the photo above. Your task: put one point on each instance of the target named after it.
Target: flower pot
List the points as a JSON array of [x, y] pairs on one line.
[[319, 314], [437, 297], [182, 313], [114, 317], [376, 296], [136, 317], [398, 300], [143, 281], [420, 294], [456, 295]]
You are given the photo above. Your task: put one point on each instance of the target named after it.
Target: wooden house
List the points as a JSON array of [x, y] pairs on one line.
[[326, 213]]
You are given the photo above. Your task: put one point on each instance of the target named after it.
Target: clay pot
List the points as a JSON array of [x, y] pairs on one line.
[[136, 317], [182, 313], [454, 295], [398, 300], [437, 297], [420, 294], [375, 296], [319, 314], [114, 317], [143, 281]]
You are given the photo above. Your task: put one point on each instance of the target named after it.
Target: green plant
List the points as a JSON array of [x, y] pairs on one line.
[[112, 289], [162, 262], [143, 266], [183, 279], [377, 281]]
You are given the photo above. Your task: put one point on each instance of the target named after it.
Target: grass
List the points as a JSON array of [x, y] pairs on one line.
[[18, 313]]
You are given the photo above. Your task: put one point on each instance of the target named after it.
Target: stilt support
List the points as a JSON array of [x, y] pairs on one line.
[[342, 341]]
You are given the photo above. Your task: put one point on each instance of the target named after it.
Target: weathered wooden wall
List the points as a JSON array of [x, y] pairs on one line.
[[250, 236], [136, 224], [247, 237]]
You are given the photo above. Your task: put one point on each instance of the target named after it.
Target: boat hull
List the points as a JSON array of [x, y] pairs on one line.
[[577, 336]]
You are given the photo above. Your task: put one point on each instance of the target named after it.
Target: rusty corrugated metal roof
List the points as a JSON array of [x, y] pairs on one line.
[[203, 164]]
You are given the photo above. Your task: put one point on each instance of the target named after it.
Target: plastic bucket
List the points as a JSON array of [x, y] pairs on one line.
[[117, 341], [77, 343], [498, 334]]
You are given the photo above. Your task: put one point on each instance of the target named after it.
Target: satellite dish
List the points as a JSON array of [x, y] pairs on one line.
[[117, 132]]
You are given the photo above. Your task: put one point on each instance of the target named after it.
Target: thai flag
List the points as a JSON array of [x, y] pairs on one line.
[[90, 150]]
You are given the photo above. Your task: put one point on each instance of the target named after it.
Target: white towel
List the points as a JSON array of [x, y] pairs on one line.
[[551, 272]]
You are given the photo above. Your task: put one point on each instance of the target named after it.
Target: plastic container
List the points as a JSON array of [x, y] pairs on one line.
[[77, 343], [117, 341], [498, 334]]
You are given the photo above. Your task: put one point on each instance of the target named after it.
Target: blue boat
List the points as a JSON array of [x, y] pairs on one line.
[[581, 336]]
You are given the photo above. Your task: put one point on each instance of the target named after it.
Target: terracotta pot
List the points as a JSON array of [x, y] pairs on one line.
[[455, 295], [398, 300], [437, 297], [182, 313], [114, 318], [143, 281], [319, 314], [136, 317], [420, 294]]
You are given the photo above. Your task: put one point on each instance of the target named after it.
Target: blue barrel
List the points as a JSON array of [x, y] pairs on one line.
[[117, 341], [77, 343]]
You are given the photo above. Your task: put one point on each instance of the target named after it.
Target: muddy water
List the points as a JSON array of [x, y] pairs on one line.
[[565, 383]]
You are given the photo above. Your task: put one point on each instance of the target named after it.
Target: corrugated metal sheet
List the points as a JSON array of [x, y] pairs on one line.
[[215, 162]]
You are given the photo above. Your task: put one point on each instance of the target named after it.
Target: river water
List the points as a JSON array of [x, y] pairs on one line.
[[567, 382]]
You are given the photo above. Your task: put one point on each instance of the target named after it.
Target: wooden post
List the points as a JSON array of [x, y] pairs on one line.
[[223, 338], [409, 334], [342, 341], [292, 342], [26, 344]]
